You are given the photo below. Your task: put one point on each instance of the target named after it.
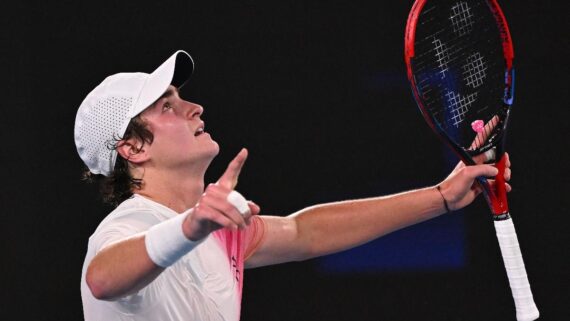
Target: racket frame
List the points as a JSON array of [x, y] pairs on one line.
[[496, 196]]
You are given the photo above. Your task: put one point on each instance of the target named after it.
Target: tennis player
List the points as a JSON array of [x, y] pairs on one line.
[[176, 249]]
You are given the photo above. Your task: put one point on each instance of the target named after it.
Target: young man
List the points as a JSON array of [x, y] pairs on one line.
[[174, 249]]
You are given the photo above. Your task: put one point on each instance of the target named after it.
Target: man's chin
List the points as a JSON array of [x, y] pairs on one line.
[[215, 149]]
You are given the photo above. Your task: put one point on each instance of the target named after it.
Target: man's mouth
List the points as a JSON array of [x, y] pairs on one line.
[[199, 131]]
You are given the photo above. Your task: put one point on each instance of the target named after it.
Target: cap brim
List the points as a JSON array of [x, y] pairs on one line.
[[175, 71]]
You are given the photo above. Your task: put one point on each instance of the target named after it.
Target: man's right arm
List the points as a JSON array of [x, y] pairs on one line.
[[124, 267], [121, 268]]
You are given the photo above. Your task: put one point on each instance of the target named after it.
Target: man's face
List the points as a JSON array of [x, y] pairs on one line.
[[179, 136]]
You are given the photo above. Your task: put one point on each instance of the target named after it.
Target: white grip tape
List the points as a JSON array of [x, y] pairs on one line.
[[166, 243], [512, 257], [240, 203]]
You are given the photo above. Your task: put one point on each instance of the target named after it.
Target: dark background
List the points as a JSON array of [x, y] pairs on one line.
[[317, 92]]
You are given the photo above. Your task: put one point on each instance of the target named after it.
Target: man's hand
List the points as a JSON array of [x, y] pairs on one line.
[[460, 188], [213, 211]]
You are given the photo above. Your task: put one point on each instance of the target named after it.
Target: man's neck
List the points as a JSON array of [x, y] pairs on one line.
[[175, 191]]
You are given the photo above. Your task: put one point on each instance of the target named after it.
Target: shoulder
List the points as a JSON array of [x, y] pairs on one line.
[[132, 216], [134, 209]]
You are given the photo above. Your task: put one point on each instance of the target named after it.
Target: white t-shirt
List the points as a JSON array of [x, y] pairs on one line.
[[205, 284]]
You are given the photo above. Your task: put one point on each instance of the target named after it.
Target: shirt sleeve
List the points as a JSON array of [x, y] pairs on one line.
[[122, 226], [253, 236]]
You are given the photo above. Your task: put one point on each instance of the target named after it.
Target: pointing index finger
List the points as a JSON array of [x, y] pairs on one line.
[[229, 179]]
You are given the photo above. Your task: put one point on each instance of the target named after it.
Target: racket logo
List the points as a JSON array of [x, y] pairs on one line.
[[458, 105], [442, 56], [461, 18], [475, 70]]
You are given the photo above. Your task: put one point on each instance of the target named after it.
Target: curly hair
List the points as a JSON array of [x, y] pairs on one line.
[[120, 184]]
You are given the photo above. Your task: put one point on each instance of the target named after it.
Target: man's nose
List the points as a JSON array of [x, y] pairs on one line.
[[194, 110]]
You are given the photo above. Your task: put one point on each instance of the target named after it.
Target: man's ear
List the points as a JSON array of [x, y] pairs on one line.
[[133, 150]]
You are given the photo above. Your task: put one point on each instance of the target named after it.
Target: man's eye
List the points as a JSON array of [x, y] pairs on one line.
[[166, 106]]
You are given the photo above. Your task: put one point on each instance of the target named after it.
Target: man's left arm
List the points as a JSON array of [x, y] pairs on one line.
[[334, 227]]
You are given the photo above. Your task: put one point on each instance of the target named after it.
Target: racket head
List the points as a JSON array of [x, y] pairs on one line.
[[459, 58]]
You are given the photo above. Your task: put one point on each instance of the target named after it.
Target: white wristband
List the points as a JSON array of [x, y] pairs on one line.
[[239, 202], [166, 243]]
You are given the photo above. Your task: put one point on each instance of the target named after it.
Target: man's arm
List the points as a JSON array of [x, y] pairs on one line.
[[333, 227], [121, 268]]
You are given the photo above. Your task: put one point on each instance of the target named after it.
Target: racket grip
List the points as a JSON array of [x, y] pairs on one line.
[[516, 272]]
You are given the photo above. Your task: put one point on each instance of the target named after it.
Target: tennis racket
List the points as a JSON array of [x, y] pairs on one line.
[[459, 57]]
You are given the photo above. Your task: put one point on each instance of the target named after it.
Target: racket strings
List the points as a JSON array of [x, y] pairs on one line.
[[459, 72], [474, 72]]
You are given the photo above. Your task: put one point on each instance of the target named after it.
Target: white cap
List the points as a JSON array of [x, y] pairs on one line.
[[104, 115]]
